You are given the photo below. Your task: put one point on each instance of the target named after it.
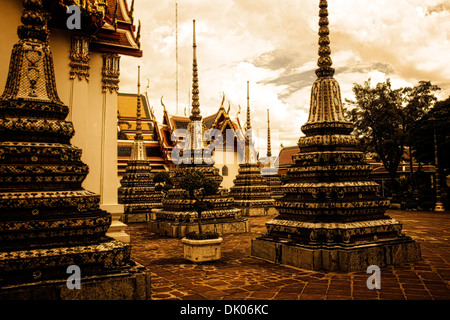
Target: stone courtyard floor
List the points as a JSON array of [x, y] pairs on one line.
[[238, 276]]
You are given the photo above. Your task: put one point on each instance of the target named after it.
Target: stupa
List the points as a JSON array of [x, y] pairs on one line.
[[332, 217], [250, 191], [178, 217], [270, 171], [48, 222], [137, 190]]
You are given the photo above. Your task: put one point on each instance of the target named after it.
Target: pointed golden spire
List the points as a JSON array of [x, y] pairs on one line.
[[195, 112], [248, 125], [326, 115], [138, 135], [324, 63], [248, 128], [269, 148]]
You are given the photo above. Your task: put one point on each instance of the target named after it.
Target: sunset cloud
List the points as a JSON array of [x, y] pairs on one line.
[[273, 44]]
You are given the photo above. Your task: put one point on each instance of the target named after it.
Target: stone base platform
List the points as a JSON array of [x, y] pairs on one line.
[[180, 229], [131, 284], [261, 211], [337, 258], [134, 217]]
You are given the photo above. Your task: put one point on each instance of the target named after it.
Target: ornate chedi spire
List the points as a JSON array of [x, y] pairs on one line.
[[47, 220], [137, 190], [195, 112], [326, 113], [331, 216], [138, 149], [251, 192], [248, 129], [178, 217], [270, 172]]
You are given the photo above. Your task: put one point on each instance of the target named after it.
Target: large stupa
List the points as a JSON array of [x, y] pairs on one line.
[[332, 217], [137, 190], [48, 222], [251, 192], [178, 217]]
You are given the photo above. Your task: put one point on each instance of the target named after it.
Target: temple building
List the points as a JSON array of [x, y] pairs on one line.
[[332, 216], [157, 137], [178, 217], [48, 220], [251, 192], [137, 189], [87, 73]]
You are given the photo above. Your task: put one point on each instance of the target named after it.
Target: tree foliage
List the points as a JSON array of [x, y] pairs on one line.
[[162, 181], [422, 138], [198, 187], [385, 118]]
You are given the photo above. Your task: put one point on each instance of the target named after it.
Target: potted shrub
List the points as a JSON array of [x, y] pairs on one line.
[[201, 246]]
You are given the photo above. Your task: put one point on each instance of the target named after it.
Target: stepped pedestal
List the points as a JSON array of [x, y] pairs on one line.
[[251, 193], [177, 217]]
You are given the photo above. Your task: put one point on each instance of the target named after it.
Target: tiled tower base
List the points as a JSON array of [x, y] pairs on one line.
[[337, 258], [129, 284], [177, 218]]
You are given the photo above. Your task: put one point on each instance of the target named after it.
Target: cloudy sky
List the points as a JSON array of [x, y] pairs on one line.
[[273, 44]]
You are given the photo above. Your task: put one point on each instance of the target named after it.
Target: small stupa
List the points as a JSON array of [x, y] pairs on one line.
[[137, 191], [269, 170], [332, 217], [48, 222], [250, 191], [178, 217]]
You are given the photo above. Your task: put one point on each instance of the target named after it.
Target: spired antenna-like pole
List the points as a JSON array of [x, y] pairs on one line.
[[269, 147], [195, 112], [138, 149], [248, 127], [176, 52]]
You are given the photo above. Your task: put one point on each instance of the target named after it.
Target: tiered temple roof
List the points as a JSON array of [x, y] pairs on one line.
[[109, 23], [157, 135]]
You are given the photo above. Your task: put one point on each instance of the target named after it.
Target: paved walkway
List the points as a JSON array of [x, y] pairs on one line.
[[238, 276]]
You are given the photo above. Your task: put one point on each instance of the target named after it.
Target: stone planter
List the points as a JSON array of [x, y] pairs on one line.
[[202, 250]]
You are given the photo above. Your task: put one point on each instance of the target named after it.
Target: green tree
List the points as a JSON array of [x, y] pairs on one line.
[[385, 118], [376, 114], [418, 101], [422, 136], [198, 186], [162, 181]]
